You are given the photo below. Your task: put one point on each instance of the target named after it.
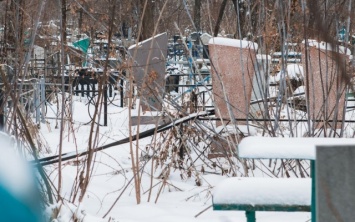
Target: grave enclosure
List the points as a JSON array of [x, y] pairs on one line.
[[328, 194], [36, 95]]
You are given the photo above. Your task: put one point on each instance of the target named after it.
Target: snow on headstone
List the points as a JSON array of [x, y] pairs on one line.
[[148, 70], [324, 80], [232, 65]]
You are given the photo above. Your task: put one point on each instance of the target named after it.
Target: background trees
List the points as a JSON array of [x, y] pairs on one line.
[[238, 18], [270, 23]]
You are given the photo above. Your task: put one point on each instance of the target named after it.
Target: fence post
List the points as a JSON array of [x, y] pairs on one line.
[[71, 104], [88, 90], [93, 89], [77, 89], [37, 101], [110, 90], [2, 106], [121, 88], [82, 90], [105, 105], [43, 100]]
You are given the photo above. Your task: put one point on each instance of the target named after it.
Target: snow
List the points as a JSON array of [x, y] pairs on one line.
[[289, 54], [286, 148], [67, 211], [180, 199], [233, 43], [293, 71], [327, 46], [263, 57], [300, 90], [268, 191]]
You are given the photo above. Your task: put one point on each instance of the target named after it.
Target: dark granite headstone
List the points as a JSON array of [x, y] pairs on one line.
[[149, 70], [335, 183]]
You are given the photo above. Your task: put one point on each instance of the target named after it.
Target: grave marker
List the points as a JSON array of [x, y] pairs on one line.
[[335, 183], [325, 85], [232, 71], [149, 70], [232, 68], [260, 85]]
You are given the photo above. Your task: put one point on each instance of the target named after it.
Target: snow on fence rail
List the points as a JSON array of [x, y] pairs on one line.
[[286, 148]]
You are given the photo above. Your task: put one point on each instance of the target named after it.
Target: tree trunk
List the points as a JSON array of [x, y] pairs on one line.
[[240, 10], [197, 15], [219, 19], [80, 19], [312, 17], [148, 20], [64, 21]]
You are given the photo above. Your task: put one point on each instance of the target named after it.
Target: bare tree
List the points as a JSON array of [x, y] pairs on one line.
[[197, 15]]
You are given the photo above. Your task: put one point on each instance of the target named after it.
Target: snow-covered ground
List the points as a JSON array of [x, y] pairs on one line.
[[179, 199]]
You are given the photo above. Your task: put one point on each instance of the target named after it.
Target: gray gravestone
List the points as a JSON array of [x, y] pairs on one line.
[[335, 183], [260, 85], [148, 70], [205, 38]]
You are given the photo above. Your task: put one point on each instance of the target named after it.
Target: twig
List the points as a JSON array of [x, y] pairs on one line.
[[204, 210]]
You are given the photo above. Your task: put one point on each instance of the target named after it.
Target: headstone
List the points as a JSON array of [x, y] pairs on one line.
[[195, 37], [38, 56], [205, 38], [38, 52], [325, 85], [260, 85], [223, 143], [223, 146], [148, 70], [335, 183], [232, 68]]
